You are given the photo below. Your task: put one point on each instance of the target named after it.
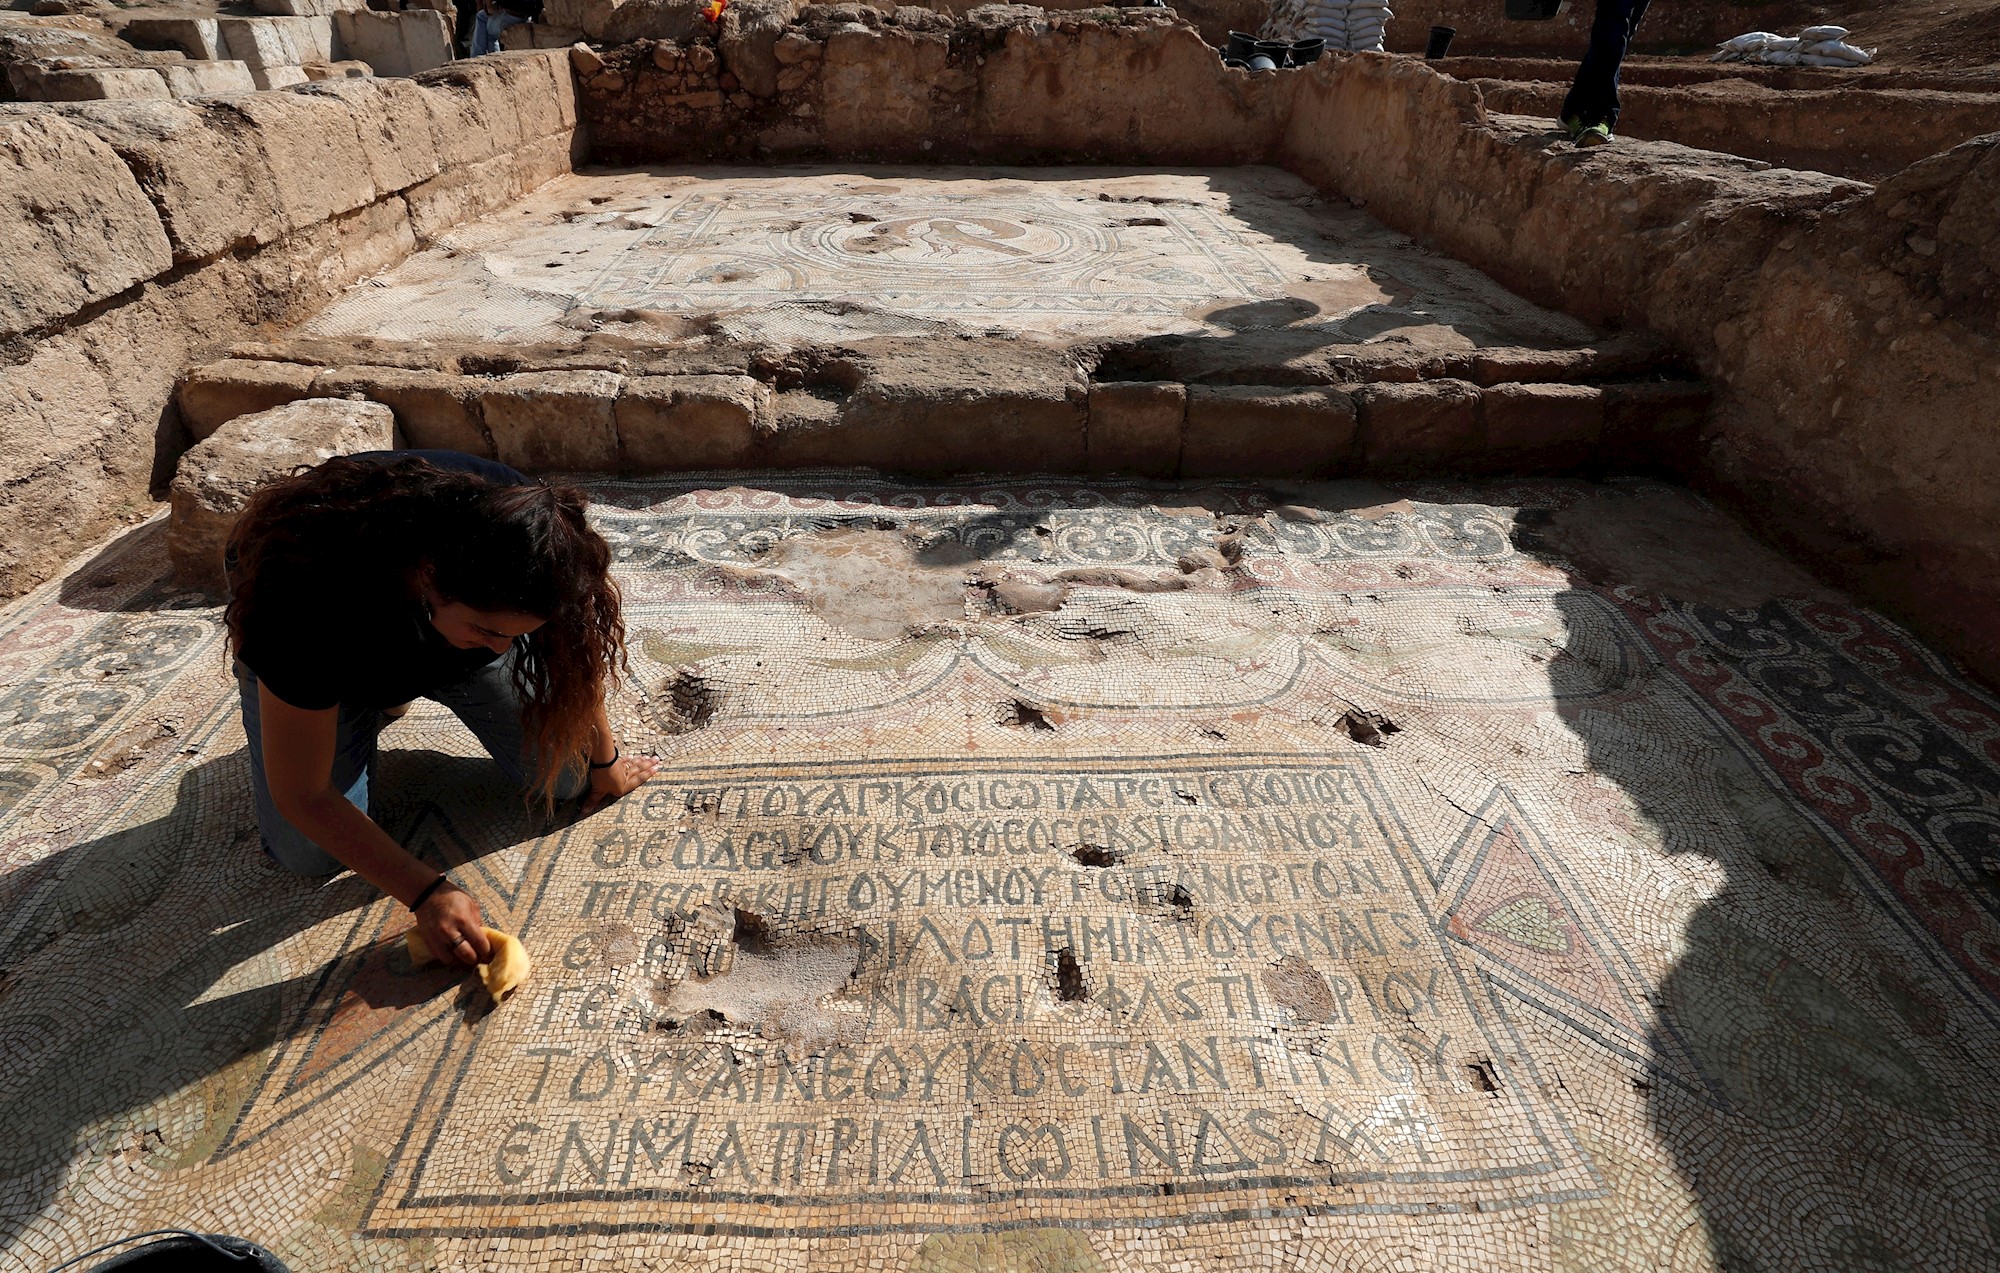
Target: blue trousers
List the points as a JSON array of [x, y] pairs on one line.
[[1593, 98], [486, 29], [485, 702]]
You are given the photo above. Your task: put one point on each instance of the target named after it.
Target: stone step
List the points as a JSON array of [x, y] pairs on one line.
[[899, 418], [41, 81], [306, 33], [1281, 356]]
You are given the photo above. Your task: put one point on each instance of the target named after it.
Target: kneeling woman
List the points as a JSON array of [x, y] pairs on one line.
[[373, 580]]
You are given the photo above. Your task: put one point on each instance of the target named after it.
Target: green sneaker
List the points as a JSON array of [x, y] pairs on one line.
[[1595, 135], [1572, 127]]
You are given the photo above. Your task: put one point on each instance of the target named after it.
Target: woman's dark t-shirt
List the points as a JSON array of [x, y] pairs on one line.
[[351, 632]]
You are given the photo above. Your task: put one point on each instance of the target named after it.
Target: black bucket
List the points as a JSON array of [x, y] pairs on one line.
[[1532, 10], [1306, 52], [1440, 41], [1242, 46], [179, 1251], [1279, 51]]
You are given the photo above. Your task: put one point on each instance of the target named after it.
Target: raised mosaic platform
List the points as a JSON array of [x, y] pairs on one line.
[[810, 255], [1054, 876]]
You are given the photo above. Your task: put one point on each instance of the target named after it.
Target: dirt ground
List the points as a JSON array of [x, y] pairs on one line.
[[1952, 34]]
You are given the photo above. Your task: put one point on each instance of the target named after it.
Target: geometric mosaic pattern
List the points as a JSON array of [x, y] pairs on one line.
[[1403, 893], [813, 255]]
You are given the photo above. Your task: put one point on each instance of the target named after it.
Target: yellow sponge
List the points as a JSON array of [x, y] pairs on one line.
[[508, 967]]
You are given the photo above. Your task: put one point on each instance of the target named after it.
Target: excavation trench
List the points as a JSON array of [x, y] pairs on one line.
[[1200, 707]]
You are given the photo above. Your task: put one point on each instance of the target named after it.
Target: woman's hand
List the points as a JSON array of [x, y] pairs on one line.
[[626, 774], [450, 921]]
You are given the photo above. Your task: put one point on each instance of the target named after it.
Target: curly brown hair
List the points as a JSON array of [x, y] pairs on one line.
[[526, 549]]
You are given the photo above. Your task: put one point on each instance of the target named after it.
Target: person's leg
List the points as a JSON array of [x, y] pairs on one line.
[[1635, 11], [467, 11], [1593, 97], [353, 764], [488, 706], [483, 39], [500, 21]]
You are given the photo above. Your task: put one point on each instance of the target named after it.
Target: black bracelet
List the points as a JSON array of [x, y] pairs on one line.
[[429, 888], [607, 764]]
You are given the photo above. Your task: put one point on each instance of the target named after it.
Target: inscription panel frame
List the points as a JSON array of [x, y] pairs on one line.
[[424, 1192]]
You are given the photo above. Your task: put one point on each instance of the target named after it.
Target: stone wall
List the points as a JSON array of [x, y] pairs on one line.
[[1851, 333], [1005, 83], [139, 236], [1863, 132]]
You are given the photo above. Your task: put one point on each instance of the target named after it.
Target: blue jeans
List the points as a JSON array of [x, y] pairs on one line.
[[1593, 98], [485, 702], [486, 29]]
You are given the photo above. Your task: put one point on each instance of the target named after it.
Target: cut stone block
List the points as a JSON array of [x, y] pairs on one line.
[[1552, 421], [1407, 426], [259, 42], [74, 225], [312, 37], [275, 77], [313, 152], [1021, 412], [1135, 427], [492, 106], [199, 38], [400, 43], [554, 420], [1266, 431], [209, 79], [256, 42], [436, 411], [214, 395], [426, 38], [395, 128], [667, 423], [349, 70], [268, 42], [212, 189], [531, 93], [218, 475], [33, 83], [306, 8]]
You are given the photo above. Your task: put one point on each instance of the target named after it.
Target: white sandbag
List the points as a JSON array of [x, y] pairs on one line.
[[1813, 35], [1749, 40], [1846, 54]]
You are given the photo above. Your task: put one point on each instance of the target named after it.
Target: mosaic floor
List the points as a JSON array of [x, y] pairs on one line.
[[1054, 878], [814, 254]]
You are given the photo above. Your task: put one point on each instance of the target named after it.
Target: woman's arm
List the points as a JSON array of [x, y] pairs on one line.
[[609, 781], [298, 767]]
